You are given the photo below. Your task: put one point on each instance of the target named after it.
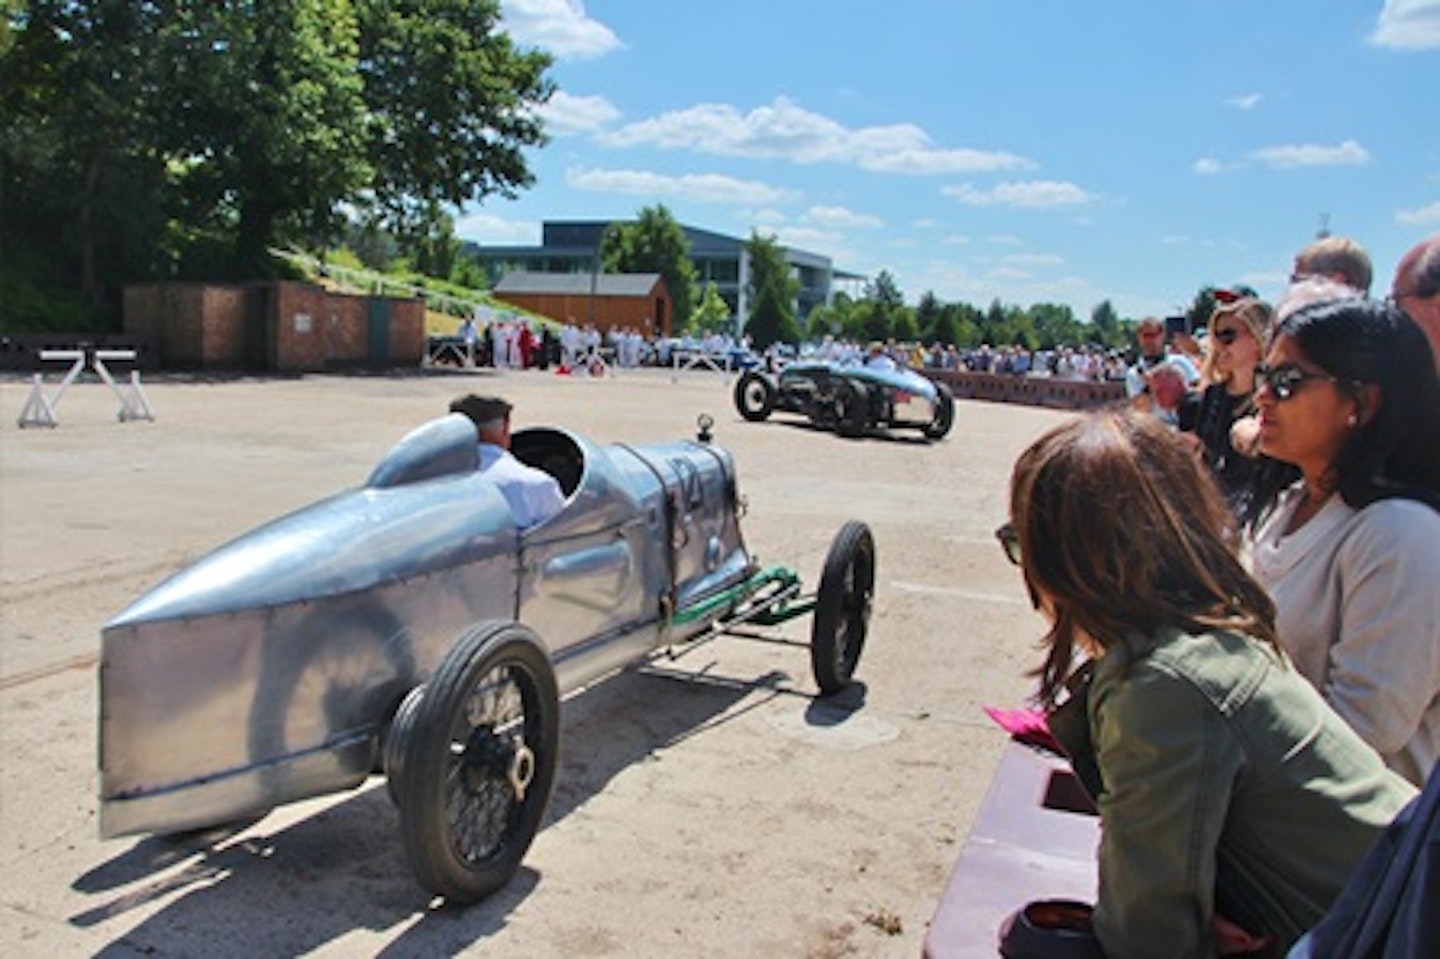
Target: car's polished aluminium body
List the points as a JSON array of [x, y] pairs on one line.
[[269, 670]]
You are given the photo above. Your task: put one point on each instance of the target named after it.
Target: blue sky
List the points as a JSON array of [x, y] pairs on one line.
[[1041, 151]]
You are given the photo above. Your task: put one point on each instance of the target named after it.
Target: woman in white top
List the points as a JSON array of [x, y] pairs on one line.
[[1351, 552]]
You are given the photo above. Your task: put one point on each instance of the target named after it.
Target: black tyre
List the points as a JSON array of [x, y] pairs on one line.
[[842, 607], [399, 737], [480, 758], [852, 408], [944, 413], [754, 396]]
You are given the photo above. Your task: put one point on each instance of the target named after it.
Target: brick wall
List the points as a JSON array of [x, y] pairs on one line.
[[286, 327], [1030, 390]]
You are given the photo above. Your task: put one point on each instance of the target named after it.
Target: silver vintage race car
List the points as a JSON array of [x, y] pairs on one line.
[[850, 398], [408, 628]]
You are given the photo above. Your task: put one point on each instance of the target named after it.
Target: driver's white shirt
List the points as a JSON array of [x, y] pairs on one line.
[[534, 495], [881, 362]]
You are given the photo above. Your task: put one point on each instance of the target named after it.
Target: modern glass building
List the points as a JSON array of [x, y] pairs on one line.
[[572, 246]]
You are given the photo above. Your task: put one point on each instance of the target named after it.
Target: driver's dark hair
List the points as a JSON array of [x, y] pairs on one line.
[[1123, 532]]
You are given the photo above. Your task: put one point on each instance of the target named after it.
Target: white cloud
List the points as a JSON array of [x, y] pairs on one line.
[[559, 26], [1005, 239], [839, 216], [1408, 25], [1348, 153], [1424, 216], [787, 131], [1032, 259], [702, 187], [496, 231], [767, 216], [956, 239], [1030, 194], [1208, 166], [809, 238], [1245, 101], [571, 114], [1009, 273]]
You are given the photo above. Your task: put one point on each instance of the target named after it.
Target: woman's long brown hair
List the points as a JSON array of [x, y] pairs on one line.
[[1123, 532]]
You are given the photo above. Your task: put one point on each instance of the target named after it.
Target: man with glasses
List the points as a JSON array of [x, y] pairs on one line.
[[1150, 335], [1416, 289]]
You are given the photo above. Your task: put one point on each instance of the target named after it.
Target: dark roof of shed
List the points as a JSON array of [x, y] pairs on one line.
[[578, 284]]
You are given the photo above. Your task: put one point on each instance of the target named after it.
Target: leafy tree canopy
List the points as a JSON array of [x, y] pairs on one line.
[[147, 140], [654, 243], [772, 291]]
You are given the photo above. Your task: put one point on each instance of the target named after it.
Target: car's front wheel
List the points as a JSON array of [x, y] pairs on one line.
[[481, 744], [842, 607], [754, 396], [944, 416]]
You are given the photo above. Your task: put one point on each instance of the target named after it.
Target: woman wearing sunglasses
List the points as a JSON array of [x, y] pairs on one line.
[[1350, 552], [1238, 330], [1234, 803]]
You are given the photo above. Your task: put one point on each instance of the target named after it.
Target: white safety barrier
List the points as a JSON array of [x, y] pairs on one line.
[[699, 359], [599, 361], [39, 409]]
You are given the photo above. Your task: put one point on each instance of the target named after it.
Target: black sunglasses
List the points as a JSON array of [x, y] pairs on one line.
[[1284, 380], [1226, 337], [1009, 542]]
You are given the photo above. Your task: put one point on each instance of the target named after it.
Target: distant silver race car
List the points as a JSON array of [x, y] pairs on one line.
[[850, 398], [407, 628]]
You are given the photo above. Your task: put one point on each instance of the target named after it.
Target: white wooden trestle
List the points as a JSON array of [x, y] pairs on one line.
[[39, 408]]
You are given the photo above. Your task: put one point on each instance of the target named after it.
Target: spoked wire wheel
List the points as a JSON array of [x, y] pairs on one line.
[[842, 607], [479, 756]]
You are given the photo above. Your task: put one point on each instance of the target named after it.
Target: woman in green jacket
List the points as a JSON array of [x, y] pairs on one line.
[[1233, 802]]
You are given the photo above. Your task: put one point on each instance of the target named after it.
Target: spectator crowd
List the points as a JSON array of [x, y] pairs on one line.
[[1243, 664]]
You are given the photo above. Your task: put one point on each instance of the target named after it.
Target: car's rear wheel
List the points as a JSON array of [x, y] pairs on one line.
[[754, 396], [852, 408], [480, 757], [944, 416], [842, 607]]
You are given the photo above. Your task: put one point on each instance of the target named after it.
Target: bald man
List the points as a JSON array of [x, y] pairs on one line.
[[1416, 289]]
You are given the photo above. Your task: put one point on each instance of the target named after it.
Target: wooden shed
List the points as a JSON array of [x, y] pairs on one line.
[[607, 300]]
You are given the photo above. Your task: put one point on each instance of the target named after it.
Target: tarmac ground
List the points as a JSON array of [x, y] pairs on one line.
[[709, 805]]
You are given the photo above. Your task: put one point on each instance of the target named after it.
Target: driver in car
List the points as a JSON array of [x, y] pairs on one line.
[[534, 495]]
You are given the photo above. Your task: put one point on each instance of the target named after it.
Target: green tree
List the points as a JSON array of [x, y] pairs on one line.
[[947, 325], [654, 243], [712, 315], [903, 326], [927, 316], [772, 291], [434, 251], [830, 319], [137, 133], [1055, 325], [79, 171], [1107, 324], [450, 105]]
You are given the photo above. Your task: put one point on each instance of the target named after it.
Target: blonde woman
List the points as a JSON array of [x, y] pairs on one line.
[[1238, 331]]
